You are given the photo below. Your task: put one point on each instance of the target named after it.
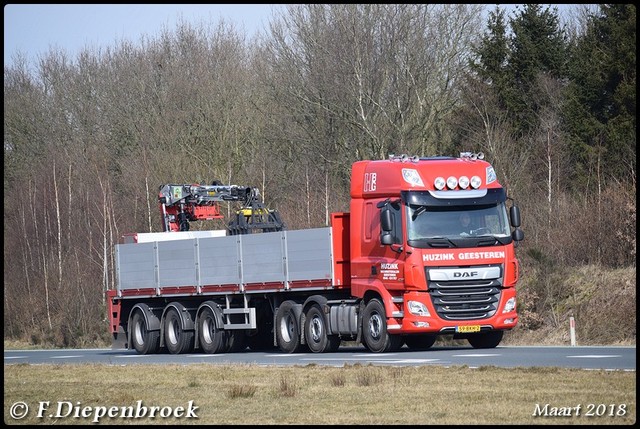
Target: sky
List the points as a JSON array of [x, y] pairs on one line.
[[35, 28]]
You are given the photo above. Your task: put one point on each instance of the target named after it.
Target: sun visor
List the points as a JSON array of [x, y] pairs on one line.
[[477, 197]]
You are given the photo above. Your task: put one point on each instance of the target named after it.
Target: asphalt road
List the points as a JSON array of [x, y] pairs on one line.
[[591, 358]]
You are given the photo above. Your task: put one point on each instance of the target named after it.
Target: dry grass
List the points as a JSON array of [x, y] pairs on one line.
[[602, 302], [357, 394]]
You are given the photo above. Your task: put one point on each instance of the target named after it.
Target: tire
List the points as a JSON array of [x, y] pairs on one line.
[[144, 341], [375, 336], [486, 340], [211, 337], [176, 339], [420, 342], [288, 328], [315, 332]]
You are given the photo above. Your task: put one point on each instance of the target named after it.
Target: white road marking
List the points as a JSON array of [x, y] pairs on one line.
[[479, 355], [377, 360], [205, 355], [594, 356], [287, 355], [375, 355]]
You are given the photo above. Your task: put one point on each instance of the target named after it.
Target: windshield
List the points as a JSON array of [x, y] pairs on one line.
[[454, 222]]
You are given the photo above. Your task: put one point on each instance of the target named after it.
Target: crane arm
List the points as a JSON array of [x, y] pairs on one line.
[[181, 204]]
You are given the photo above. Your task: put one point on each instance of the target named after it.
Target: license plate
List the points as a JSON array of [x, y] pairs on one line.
[[468, 328]]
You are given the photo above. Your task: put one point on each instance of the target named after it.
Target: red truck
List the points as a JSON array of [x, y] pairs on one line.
[[427, 249]]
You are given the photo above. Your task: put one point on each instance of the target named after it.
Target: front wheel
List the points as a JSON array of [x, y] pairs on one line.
[[485, 340], [375, 336], [144, 341]]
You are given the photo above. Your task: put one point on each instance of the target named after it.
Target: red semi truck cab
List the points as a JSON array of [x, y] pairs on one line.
[[433, 238]]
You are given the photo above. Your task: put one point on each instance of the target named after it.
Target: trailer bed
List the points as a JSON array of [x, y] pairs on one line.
[[307, 259]]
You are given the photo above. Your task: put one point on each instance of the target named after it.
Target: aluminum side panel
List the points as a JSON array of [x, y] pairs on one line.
[[219, 260], [177, 262], [309, 254], [271, 260], [136, 266], [263, 257]]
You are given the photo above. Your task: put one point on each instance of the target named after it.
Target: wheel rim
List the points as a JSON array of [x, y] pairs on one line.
[[173, 331], [207, 331], [139, 333], [375, 326], [316, 329], [287, 327]]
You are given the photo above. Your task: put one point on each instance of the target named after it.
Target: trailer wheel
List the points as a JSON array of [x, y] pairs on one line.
[[176, 338], [212, 338], [375, 336], [486, 340], [420, 342], [144, 341], [287, 328], [315, 332]]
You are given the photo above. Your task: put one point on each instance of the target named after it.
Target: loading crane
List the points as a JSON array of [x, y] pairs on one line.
[[182, 204]]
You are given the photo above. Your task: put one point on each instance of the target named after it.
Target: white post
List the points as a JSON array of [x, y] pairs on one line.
[[572, 325]]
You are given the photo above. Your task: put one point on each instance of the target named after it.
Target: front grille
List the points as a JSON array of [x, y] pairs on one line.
[[469, 299]]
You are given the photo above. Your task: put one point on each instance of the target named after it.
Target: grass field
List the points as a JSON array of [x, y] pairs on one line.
[[317, 395]]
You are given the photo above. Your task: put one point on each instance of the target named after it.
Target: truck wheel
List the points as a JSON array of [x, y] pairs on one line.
[[144, 341], [375, 336], [212, 338], [486, 340], [420, 342], [176, 338], [287, 328], [315, 332]]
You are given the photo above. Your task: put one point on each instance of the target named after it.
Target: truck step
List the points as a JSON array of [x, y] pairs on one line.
[[248, 324]]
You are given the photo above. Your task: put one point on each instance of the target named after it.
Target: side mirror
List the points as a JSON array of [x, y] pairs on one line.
[[386, 221], [514, 212]]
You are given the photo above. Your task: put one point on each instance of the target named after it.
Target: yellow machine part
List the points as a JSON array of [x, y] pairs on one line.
[[248, 211]]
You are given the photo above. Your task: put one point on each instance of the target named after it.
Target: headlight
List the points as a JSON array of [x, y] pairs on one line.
[[418, 308], [510, 305]]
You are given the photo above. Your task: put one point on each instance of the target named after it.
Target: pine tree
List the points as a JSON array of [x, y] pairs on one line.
[[537, 46], [601, 110], [492, 55]]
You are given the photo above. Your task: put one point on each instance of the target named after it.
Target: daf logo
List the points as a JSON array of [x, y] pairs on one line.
[[465, 274]]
